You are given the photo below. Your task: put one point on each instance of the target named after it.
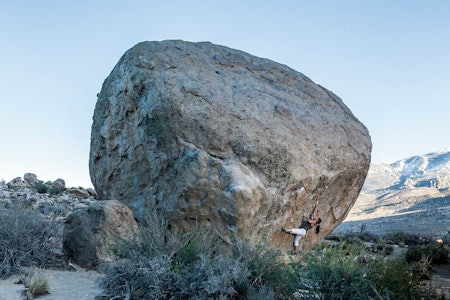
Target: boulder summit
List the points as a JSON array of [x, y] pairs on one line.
[[244, 145]]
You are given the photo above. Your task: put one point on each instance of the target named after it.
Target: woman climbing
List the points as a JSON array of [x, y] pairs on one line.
[[307, 223]]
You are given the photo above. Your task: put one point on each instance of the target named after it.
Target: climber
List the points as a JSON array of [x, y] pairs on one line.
[[307, 223]]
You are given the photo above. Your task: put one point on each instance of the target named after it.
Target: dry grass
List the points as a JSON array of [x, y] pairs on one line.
[[36, 283]]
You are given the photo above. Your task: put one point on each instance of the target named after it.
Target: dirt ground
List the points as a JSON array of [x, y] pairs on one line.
[[440, 281], [83, 284], [67, 285]]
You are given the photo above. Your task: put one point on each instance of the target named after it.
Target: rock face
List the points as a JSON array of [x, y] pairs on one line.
[[208, 134], [91, 233]]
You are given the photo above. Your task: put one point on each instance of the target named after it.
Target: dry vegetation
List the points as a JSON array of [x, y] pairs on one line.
[[28, 239], [167, 264], [170, 265]]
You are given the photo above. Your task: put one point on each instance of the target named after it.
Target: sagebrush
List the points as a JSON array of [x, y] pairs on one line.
[[168, 264], [27, 239]]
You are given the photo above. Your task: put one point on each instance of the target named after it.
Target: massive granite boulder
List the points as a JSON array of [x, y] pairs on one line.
[[207, 134]]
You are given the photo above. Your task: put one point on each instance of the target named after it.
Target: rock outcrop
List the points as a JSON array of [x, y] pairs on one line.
[[90, 234], [207, 134], [87, 229], [30, 179], [57, 202]]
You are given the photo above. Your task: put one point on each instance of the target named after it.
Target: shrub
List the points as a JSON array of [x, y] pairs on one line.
[[26, 239], [167, 264], [394, 278], [388, 249], [351, 271], [446, 239], [41, 187], [267, 270], [438, 253], [339, 272], [162, 278], [363, 236], [138, 279], [404, 238], [368, 237], [422, 268], [54, 190]]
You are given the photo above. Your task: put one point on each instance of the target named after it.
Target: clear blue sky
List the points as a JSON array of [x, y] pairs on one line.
[[388, 60]]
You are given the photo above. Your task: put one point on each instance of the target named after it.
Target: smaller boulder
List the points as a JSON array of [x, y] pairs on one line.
[[92, 192], [30, 179], [15, 183], [91, 233], [80, 193], [59, 184]]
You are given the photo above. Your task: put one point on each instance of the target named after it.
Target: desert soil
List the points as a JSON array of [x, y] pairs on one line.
[[441, 280], [83, 285], [67, 285]]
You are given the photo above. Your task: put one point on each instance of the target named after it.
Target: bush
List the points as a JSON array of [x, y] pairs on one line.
[[339, 272], [167, 264], [422, 269], [350, 271], [394, 279], [446, 239], [405, 238], [368, 237], [364, 236], [438, 253], [268, 270], [27, 239], [55, 190], [41, 187]]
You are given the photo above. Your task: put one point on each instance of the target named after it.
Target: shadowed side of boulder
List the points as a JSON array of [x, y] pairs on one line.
[[91, 233]]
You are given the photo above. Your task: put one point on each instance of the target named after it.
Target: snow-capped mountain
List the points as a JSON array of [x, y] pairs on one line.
[[431, 163], [429, 170], [405, 195]]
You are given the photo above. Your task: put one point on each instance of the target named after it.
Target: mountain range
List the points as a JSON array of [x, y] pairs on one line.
[[410, 195]]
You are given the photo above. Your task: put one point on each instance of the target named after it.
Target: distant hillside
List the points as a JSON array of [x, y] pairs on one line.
[[411, 195]]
